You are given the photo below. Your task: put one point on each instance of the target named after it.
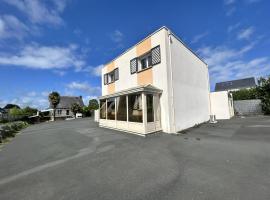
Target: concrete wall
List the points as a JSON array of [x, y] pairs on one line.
[[248, 107], [190, 87], [221, 105]]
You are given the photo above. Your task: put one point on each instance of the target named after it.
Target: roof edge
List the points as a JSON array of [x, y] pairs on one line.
[[156, 31]]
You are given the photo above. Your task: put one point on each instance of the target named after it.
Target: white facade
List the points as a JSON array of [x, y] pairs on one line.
[[181, 78], [222, 105]]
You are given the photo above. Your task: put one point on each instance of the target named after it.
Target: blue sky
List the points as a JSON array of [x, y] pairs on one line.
[[61, 45]]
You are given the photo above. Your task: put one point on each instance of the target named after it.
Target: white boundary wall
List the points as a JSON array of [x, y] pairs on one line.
[[221, 105]]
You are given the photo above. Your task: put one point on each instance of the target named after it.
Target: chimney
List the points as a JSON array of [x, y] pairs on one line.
[[80, 97]]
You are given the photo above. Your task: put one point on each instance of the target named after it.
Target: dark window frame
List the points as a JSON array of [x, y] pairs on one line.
[[112, 73]]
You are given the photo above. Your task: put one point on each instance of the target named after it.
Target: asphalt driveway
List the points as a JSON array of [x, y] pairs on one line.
[[78, 160]]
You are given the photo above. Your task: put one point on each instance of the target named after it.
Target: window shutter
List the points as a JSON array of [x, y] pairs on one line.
[[116, 74], [105, 79], [156, 57], [133, 65]]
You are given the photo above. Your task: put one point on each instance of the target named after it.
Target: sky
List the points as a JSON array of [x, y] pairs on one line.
[[61, 45]]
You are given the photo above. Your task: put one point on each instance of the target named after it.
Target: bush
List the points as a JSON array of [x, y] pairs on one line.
[[263, 92], [10, 129], [245, 94]]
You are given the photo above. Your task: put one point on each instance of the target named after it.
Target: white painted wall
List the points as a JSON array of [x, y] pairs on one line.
[[221, 106], [190, 87], [126, 79], [160, 78]]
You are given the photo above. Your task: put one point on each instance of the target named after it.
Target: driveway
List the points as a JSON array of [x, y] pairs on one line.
[[78, 160]]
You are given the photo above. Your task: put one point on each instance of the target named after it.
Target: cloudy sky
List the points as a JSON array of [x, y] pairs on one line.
[[61, 45]]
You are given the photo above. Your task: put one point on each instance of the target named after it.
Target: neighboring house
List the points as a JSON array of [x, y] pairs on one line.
[[235, 85], [3, 113], [63, 109], [157, 85]]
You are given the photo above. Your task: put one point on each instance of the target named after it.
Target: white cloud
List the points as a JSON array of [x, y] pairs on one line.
[[44, 57], [32, 99], [117, 36], [12, 27], [233, 27], [229, 2], [230, 11], [198, 37], [85, 87], [40, 12], [246, 33], [96, 71], [228, 63], [220, 55]]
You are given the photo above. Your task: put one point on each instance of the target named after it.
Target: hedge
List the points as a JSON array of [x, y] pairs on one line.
[[10, 129]]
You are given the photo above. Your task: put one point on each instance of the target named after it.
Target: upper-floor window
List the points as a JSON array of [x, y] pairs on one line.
[[111, 76], [145, 62], [153, 57]]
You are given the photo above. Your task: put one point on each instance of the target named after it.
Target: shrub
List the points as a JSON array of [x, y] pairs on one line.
[[10, 129]]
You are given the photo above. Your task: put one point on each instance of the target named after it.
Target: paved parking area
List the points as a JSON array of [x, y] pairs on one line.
[[78, 160]]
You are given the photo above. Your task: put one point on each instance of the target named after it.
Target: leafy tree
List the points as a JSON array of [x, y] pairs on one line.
[[28, 111], [263, 93], [54, 99], [93, 104], [15, 112], [245, 94], [10, 106], [76, 108], [86, 111]]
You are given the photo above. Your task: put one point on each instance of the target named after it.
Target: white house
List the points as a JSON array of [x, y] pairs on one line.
[[158, 84]]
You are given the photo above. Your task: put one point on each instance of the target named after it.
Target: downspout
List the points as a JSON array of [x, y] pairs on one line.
[[171, 80]]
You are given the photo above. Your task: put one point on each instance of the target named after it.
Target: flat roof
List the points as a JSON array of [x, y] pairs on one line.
[[163, 27]]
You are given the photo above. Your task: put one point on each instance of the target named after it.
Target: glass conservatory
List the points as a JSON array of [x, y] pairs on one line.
[[135, 110]]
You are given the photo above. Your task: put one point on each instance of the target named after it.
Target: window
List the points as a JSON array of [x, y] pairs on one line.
[[145, 61], [150, 108], [67, 112], [59, 112], [121, 108], [111, 76], [135, 113], [152, 58], [111, 108], [102, 109]]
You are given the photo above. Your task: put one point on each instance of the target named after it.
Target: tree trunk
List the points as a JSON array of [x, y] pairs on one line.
[[53, 114]]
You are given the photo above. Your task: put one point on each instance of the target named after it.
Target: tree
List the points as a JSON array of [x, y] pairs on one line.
[[76, 108], [93, 104], [86, 111], [10, 106], [263, 93], [54, 99], [28, 111], [245, 94]]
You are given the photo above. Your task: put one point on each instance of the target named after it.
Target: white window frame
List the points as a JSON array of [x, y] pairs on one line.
[[145, 56]]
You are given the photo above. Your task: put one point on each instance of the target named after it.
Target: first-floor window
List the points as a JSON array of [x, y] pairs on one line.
[[135, 113], [67, 112], [121, 108], [59, 112], [111, 108], [102, 109], [150, 107]]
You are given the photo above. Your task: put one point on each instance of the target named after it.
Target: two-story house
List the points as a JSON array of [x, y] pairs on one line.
[[159, 84]]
